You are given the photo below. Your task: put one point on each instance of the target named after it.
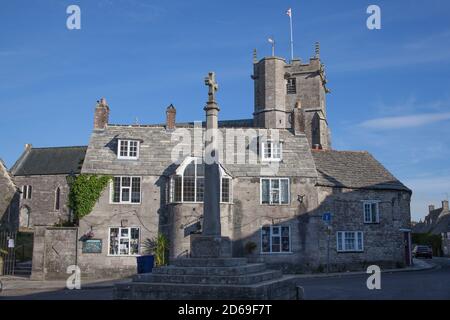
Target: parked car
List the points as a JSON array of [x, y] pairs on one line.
[[423, 251]]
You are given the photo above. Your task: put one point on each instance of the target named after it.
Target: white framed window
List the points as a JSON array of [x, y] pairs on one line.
[[126, 190], [371, 211], [124, 241], [187, 185], [350, 241], [128, 149], [275, 239], [26, 192], [271, 150], [275, 191]]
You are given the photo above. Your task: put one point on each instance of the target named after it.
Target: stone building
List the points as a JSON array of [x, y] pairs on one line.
[[271, 207], [437, 222], [8, 192], [42, 175]]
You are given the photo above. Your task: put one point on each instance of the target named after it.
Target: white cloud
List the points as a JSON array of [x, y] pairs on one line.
[[401, 122]]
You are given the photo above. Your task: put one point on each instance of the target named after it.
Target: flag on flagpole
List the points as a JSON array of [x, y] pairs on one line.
[[289, 12]]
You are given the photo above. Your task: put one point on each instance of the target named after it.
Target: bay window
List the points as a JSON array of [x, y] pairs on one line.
[[188, 184]]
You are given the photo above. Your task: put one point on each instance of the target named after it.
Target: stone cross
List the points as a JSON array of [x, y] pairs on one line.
[[210, 81]]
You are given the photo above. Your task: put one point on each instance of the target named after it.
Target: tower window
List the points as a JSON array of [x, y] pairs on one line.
[[291, 86]]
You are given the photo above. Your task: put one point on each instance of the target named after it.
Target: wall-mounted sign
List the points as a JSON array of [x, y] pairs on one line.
[[92, 246], [10, 243]]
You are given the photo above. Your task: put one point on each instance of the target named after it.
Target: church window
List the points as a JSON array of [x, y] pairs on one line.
[[126, 190], [274, 191], [26, 192], [291, 86], [188, 184], [371, 212], [350, 241], [57, 198], [123, 241], [271, 150], [128, 149], [275, 239]]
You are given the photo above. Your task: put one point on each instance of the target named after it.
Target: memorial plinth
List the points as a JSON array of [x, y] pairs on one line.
[[211, 272]]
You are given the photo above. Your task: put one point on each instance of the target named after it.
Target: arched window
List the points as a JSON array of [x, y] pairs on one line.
[[57, 198], [187, 184]]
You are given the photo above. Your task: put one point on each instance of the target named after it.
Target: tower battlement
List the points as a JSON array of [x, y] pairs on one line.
[[279, 86]]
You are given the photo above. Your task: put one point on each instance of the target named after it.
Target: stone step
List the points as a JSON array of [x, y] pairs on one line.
[[225, 271], [275, 289], [246, 279], [208, 262]]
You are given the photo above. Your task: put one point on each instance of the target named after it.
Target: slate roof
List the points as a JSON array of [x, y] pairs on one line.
[[158, 144], [353, 169], [50, 161]]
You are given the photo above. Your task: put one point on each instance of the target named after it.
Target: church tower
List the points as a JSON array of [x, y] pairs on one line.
[[281, 86]]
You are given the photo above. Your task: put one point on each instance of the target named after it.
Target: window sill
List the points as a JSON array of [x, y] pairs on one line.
[[371, 222], [132, 203], [275, 253], [353, 251], [123, 255], [132, 159]]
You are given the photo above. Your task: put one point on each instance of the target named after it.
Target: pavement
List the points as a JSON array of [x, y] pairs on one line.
[[432, 275]]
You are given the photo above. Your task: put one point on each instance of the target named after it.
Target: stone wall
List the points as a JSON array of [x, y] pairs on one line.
[[42, 203], [54, 249]]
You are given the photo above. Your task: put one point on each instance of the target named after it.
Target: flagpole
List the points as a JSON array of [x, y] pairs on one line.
[[292, 38]]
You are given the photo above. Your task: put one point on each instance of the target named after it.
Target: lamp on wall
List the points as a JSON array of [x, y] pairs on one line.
[[300, 198]]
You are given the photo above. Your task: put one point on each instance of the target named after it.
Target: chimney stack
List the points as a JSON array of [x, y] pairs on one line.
[[445, 205], [171, 112], [101, 116], [430, 207]]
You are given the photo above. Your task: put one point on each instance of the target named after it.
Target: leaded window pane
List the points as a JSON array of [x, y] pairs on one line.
[[225, 190], [265, 240], [200, 189], [177, 180], [116, 189], [114, 241], [284, 191], [189, 189], [265, 191], [136, 190]]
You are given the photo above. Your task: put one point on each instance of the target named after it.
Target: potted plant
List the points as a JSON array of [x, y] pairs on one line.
[[155, 253]]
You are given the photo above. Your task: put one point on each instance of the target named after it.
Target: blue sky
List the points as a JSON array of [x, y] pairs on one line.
[[390, 87]]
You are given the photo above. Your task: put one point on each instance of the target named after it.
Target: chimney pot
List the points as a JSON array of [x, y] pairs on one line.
[[28, 146], [171, 113]]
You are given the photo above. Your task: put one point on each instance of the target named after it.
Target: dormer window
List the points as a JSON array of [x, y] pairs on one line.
[[128, 149], [271, 150]]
